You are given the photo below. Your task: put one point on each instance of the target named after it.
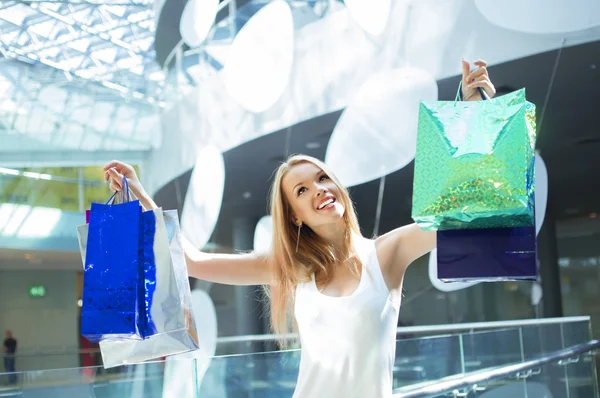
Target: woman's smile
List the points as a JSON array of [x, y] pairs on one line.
[[328, 202]]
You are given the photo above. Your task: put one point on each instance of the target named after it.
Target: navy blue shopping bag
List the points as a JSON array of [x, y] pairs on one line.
[[493, 254], [119, 262]]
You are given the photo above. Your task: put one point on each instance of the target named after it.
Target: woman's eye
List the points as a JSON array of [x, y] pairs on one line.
[[323, 177], [301, 190]]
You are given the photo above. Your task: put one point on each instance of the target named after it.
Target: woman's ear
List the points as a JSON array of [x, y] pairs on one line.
[[295, 220]]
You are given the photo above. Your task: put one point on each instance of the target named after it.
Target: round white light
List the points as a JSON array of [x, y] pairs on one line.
[[263, 234], [196, 20], [204, 195], [179, 369], [206, 321], [377, 133], [536, 293], [540, 16], [541, 191], [371, 15], [260, 61]]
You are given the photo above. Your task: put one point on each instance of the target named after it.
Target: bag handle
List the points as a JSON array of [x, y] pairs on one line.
[[112, 199], [484, 95]]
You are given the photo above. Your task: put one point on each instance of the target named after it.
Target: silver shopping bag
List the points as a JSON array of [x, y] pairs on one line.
[[171, 304]]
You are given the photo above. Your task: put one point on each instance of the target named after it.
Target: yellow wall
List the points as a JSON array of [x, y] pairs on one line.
[[54, 194]]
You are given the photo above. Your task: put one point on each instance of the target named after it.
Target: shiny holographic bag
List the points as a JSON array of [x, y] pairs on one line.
[[116, 265], [474, 166], [170, 307]]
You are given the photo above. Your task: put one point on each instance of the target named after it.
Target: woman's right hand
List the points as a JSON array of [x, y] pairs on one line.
[[232, 269], [114, 173]]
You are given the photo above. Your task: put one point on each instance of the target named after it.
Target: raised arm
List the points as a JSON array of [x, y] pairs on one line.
[[230, 269], [399, 248]]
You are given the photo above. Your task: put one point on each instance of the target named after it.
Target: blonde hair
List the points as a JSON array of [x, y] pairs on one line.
[[314, 254]]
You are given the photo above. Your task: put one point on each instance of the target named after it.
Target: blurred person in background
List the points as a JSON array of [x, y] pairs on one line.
[[9, 348]]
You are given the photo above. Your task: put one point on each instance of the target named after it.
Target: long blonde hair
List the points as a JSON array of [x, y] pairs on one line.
[[314, 254]]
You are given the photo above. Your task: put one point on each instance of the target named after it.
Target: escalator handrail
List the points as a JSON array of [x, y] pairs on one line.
[[481, 377]]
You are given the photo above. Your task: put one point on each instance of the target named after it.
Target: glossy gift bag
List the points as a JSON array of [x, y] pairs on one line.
[[168, 303], [493, 254], [474, 165], [114, 272]]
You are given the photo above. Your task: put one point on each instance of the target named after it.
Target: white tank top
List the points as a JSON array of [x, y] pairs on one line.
[[349, 342]]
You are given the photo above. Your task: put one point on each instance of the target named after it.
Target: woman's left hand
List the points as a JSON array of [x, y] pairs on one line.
[[479, 78]]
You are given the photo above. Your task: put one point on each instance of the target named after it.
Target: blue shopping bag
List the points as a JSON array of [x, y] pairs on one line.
[[484, 255], [169, 312], [119, 272]]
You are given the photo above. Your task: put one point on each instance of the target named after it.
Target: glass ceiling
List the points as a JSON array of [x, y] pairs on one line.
[[79, 75], [106, 43], [82, 74]]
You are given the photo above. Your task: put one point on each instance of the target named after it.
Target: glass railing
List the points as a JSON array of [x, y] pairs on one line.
[[432, 358], [568, 372], [273, 374], [142, 380], [49, 359]]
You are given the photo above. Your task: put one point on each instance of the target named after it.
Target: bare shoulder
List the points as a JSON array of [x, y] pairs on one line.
[[386, 250], [398, 248]]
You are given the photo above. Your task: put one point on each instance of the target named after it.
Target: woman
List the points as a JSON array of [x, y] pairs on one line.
[[342, 290]]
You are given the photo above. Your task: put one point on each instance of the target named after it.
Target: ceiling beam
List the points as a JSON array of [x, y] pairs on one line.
[[68, 158], [82, 27], [99, 3], [130, 93], [95, 34]]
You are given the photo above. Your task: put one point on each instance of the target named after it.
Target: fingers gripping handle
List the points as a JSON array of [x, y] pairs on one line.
[[484, 95], [124, 199]]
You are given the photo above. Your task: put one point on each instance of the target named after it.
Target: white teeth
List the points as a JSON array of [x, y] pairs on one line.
[[329, 201]]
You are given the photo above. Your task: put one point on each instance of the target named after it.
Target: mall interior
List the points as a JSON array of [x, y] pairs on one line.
[[205, 99]]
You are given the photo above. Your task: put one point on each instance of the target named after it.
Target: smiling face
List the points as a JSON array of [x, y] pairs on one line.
[[314, 198]]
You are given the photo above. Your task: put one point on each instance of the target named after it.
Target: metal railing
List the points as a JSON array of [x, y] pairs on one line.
[[462, 385], [401, 331], [412, 330]]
